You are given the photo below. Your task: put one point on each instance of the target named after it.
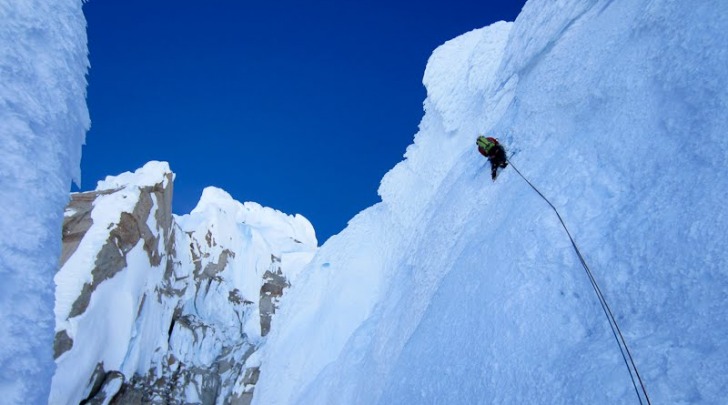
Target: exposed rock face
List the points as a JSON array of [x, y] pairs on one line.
[[270, 292], [155, 308]]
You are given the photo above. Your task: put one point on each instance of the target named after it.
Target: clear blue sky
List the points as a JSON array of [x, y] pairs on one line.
[[299, 106]]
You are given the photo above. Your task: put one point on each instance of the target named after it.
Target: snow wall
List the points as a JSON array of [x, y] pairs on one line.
[[43, 122], [455, 289]]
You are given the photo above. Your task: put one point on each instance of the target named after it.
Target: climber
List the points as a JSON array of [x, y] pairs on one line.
[[490, 148]]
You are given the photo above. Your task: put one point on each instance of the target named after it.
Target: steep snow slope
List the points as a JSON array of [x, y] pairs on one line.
[[455, 289], [43, 122], [157, 308]]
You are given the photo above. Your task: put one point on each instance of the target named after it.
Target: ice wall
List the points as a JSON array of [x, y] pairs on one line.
[[43, 121], [455, 289]]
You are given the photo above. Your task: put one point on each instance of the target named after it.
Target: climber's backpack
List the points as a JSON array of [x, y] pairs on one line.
[[487, 143]]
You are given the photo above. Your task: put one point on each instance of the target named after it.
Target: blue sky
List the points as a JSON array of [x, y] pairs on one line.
[[299, 106]]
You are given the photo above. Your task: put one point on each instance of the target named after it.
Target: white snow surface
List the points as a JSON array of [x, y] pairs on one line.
[[277, 225], [151, 173], [106, 213], [222, 248], [458, 290], [43, 122], [104, 332]]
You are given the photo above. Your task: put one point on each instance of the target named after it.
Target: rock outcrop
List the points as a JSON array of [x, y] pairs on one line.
[[157, 308]]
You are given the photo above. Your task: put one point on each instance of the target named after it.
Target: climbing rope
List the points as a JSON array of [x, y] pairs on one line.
[[621, 342]]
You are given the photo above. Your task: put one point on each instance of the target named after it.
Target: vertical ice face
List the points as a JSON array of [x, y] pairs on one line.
[[455, 289], [43, 121]]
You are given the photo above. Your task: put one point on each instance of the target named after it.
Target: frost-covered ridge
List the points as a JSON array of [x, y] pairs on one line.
[[153, 307]]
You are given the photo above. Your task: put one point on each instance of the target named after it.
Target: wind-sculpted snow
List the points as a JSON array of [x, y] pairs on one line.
[[43, 121], [455, 289], [156, 308]]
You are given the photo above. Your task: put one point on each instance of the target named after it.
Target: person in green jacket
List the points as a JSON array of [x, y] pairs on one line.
[[491, 148]]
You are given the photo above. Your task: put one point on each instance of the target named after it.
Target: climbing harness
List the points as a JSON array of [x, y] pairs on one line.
[[621, 342]]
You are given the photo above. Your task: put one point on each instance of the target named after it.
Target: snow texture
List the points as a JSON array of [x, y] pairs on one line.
[[186, 301], [457, 290], [43, 121], [112, 309]]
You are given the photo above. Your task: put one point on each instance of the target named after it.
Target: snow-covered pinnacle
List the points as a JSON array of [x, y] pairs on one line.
[[43, 122], [149, 175], [254, 215], [152, 307], [116, 243], [114, 200], [455, 289]]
